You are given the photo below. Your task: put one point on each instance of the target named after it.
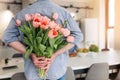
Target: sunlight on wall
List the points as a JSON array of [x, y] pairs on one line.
[[5, 16], [73, 15], [111, 12], [111, 23], [111, 38]]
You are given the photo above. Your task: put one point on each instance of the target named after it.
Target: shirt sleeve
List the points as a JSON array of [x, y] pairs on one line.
[[75, 30], [11, 33]]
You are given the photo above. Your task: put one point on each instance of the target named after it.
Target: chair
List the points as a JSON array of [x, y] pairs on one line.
[[118, 76], [21, 76], [114, 72], [98, 71], [18, 76], [17, 55], [70, 74]]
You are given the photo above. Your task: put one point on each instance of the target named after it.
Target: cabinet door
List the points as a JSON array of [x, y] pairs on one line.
[[90, 30]]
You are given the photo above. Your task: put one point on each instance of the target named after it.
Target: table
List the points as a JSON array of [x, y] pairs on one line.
[[112, 57], [6, 52], [7, 73]]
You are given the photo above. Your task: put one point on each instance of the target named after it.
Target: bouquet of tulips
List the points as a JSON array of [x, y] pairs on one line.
[[43, 35]]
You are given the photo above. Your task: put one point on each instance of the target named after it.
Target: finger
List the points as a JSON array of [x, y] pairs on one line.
[[47, 68], [37, 65], [44, 63], [49, 61], [35, 62], [40, 62], [42, 58], [40, 65], [33, 55], [44, 67]]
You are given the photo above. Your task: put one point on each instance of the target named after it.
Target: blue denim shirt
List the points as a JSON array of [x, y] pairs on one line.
[[46, 8]]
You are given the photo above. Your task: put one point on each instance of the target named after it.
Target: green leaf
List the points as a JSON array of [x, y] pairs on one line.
[[32, 29], [30, 24], [62, 45], [39, 33], [51, 42], [31, 38], [27, 29], [55, 46], [27, 41], [42, 48], [45, 37], [22, 29], [39, 39], [49, 51], [35, 46], [42, 35], [28, 52], [65, 23], [58, 39], [59, 36]]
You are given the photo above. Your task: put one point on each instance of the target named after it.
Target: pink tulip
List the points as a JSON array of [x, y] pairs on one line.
[[28, 17], [52, 33], [18, 22], [37, 21], [65, 31], [57, 27], [45, 22], [55, 16], [37, 14], [32, 16], [70, 39], [52, 24]]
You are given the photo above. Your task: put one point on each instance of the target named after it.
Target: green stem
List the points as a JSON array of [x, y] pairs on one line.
[[42, 73]]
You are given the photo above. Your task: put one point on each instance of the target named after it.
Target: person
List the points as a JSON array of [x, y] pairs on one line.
[[57, 67]]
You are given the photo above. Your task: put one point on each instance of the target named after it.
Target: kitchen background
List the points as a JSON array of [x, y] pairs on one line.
[[89, 14]]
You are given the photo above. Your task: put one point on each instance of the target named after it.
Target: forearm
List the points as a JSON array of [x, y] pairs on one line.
[[60, 51], [18, 46]]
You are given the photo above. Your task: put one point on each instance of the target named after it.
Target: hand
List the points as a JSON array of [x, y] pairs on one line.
[[40, 62], [50, 60]]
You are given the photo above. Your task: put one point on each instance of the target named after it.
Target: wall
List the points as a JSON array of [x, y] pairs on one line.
[[99, 14], [117, 25], [101, 24], [82, 13]]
